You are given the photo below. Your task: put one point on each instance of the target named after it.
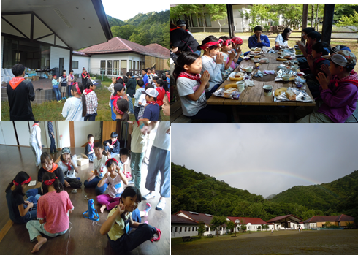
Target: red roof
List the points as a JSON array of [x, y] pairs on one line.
[[206, 218], [341, 217], [246, 220], [182, 220], [119, 45], [278, 218]]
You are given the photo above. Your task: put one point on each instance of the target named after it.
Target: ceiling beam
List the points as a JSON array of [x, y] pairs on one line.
[[18, 30]]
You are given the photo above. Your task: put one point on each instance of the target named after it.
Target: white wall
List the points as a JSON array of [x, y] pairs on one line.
[[57, 53], [185, 231], [8, 133], [82, 62], [63, 134], [23, 134], [83, 128]]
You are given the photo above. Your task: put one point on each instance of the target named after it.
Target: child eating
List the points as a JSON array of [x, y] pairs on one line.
[[229, 57]]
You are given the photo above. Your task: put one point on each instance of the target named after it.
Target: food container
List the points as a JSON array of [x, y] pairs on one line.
[[267, 90], [240, 86], [286, 77]]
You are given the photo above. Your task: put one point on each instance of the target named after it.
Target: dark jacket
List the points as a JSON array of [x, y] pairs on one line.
[[20, 96], [183, 40], [115, 148], [131, 85]]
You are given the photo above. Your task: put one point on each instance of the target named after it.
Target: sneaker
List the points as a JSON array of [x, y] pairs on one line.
[[130, 182], [148, 206], [159, 233], [148, 196], [161, 204], [59, 101]]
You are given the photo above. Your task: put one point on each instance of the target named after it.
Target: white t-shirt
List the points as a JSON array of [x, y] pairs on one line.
[[115, 185], [162, 138], [186, 87], [214, 70], [120, 164], [279, 40], [137, 139], [67, 173], [142, 100], [100, 166], [72, 110], [35, 135]]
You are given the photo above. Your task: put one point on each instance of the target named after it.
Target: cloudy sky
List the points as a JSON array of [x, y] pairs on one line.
[[267, 158], [125, 10]]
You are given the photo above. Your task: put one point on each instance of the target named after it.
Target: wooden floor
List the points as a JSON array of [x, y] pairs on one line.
[[83, 236]]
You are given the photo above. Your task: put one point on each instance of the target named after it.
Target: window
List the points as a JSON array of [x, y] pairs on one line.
[[193, 229], [103, 67], [116, 67], [176, 229], [206, 229], [17, 58], [123, 67], [184, 229], [74, 64], [130, 64], [109, 67], [188, 229]]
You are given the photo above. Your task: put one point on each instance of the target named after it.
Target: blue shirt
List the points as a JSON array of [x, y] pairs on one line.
[[151, 112], [54, 83], [145, 80], [113, 114], [265, 42], [49, 128]]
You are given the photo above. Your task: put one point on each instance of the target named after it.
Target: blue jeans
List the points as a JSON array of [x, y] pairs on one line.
[[69, 88], [128, 242], [130, 105], [106, 148], [93, 184], [136, 163], [136, 112], [90, 117], [90, 157], [57, 94], [159, 161], [52, 145], [32, 213]]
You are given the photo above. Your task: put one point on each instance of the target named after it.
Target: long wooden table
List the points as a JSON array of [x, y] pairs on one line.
[[255, 95]]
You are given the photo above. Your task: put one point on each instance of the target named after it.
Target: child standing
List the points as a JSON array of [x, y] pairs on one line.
[[52, 137], [48, 166], [115, 186], [118, 223], [131, 86], [55, 88], [35, 142], [74, 109], [90, 99], [85, 78], [121, 107], [52, 212], [166, 104], [119, 93], [100, 169], [144, 77], [20, 93], [161, 91], [89, 150], [136, 152], [63, 81], [69, 168], [112, 146], [211, 48], [137, 95], [20, 211], [339, 94], [152, 109], [70, 79]]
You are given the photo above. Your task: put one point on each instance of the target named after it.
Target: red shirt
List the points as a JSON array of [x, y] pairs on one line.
[[160, 97]]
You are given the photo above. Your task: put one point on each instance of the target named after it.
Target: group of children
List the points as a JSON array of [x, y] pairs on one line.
[[46, 209], [65, 82]]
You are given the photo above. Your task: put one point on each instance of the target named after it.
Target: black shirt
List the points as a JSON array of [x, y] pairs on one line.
[[58, 172], [13, 201], [20, 101], [183, 40]]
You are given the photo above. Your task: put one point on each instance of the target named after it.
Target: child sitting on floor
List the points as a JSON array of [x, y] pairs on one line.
[[191, 87], [121, 107], [152, 109], [112, 145], [118, 223], [122, 158], [115, 186], [52, 212], [68, 165], [100, 169], [340, 94], [74, 108], [211, 48], [20, 211], [230, 57], [48, 166], [89, 151]]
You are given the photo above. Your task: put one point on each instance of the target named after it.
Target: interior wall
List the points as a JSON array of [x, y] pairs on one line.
[[63, 134], [8, 132], [83, 128], [23, 134]]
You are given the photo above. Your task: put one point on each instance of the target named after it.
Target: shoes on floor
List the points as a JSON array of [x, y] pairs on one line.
[[148, 196], [159, 233], [161, 205]]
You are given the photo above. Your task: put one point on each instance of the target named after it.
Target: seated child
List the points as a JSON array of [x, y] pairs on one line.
[[121, 107], [137, 95], [230, 57], [122, 158], [68, 164], [340, 94], [112, 145], [115, 186], [236, 43], [121, 239], [142, 102], [152, 109], [49, 166], [89, 148], [191, 89], [211, 48], [312, 38], [20, 211], [52, 211], [100, 169]]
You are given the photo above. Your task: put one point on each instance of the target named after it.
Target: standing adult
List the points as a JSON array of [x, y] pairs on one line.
[[181, 40], [130, 90], [52, 137], [85, 78], [20, 93], [258, 39], [182, 24], [35, 142], [159, 161], [136, 152]]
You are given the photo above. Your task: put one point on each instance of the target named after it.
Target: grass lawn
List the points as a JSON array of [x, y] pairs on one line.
[[52, 110]]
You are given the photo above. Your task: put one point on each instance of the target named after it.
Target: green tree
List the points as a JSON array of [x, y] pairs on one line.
[[124, 32], [231, 225], [201, 228], [216, 222], [243, 227], [217, 12], [350, 21]]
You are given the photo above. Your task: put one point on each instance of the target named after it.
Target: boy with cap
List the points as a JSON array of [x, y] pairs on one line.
[[339, 90], [152, 109]]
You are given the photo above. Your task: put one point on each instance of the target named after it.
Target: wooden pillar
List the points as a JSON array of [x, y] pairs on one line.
[[230, 20], [32, 26], [304, 18], [72, 134], [327, 23]]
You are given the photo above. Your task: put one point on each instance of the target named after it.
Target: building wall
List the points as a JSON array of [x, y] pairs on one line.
[[344, 223], [83, 61], [319, 224], [57, 53], [180, 230], [82, 129], [63, 134]]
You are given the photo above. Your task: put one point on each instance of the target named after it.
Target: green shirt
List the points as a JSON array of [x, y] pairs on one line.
[[117, 230]]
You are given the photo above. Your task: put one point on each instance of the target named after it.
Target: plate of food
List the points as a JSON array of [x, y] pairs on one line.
[[291, 95]]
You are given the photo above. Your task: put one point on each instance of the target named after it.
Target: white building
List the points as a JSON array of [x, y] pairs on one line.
[[182, 226], [252, 224]]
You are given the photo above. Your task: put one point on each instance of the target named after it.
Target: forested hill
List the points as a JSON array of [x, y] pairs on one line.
[[143, 29], [198, 192]]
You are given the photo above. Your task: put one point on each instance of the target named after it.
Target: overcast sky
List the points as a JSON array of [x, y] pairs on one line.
[[125, 10], [267, 158]]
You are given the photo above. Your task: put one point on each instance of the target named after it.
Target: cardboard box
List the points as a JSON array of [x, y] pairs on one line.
[[82, 161]]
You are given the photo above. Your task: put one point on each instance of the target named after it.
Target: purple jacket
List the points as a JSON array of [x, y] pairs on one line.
[[339, 102]]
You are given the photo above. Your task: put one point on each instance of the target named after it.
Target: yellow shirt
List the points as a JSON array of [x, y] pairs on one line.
[[117, 230]]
